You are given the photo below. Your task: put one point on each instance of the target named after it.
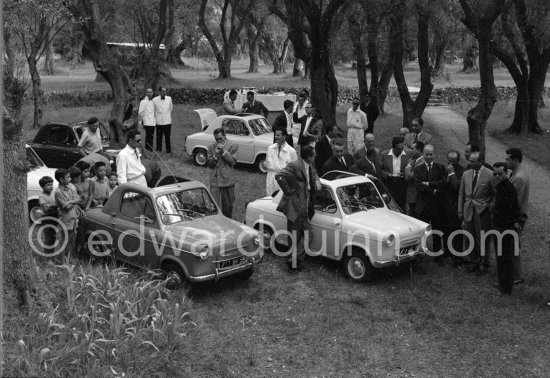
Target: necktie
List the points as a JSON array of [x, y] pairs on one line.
[[279, 153], [429, 168], [416, 137], [373, 167], [475, 181], [343, 161]]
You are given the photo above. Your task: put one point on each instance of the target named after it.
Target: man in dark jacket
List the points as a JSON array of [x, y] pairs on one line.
[[339, 161], [253, 106], [298, 181], [506, 220], [429, 179], [284, 122], [367, 165], [323, 149], [450, 207]]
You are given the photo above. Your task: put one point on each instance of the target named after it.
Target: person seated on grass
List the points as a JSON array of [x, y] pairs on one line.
[[99, 185], [47, 203], [113, 182]]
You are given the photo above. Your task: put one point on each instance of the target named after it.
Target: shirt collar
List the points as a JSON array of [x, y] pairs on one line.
[[391, 153]]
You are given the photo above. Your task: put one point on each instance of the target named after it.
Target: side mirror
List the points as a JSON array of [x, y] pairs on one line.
[[386, 198]]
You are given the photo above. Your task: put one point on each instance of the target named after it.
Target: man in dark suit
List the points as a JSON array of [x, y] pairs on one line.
[[475, 196], [416, 158], [284, 122], [298, 181], [429, 179], [369, 143], [304, 121], [253, 106], [417, 133], [339, 161], [508, 221], [450, 207], [367, 165], [323, 149], [394, 162]]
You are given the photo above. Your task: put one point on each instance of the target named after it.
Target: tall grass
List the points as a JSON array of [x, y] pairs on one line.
[[97, 320]]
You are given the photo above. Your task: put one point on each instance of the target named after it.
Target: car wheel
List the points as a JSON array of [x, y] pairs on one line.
[[175, 277], [95, 249], [35, 212], [268, 236], [357, 267], [199, 157], [260, 164]]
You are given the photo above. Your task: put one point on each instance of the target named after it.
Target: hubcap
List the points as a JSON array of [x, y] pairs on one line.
[[356, 268], [200, 158], [262, 166]]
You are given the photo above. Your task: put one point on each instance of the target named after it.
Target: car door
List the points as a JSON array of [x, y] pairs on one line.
[[238, 133], [137, 219], [60, 140], [326, 225]]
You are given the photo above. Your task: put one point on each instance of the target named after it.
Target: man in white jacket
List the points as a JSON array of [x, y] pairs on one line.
[[163, 118], [128, 162], [279, 154], [146, 115]]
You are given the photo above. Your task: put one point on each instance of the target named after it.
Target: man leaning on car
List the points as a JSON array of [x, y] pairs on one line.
[[90, 141]]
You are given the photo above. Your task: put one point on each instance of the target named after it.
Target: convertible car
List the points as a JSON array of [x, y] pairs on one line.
[[251, 132], [352, 224], [175, 227], [57, 144]]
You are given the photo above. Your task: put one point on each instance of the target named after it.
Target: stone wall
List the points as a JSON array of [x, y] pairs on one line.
[[198, 96]]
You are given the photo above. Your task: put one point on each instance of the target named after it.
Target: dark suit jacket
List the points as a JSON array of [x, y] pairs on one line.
[[364, 167], [257, 108], [506, 210], [358, 155], [332, 164], [293, 182], [323, 151], [424, 137], [429, 195], [302, 121], [280, 123], [450, 194]]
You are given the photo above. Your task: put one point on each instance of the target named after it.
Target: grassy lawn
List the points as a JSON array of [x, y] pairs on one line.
[[441, 322], [532, 145]]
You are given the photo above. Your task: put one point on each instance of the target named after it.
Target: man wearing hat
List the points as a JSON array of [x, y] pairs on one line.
[[90, 141]]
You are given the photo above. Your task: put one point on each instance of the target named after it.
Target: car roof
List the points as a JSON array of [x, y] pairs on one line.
[[335, 179], [245, 116]]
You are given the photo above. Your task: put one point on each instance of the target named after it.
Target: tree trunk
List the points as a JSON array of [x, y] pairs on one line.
[[385, 78], [19, 274], [172, 53], [478, 115], [253, 48], [74, 56], [355, 36], [9, 63], [38, 98], [297, 69], [373, 107], [281, 61], [440, 44], [324, 87], [49, 57]]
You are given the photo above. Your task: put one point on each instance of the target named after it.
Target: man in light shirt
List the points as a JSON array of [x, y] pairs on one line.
[[128, 162], [146, 115], [394, 162], [357, 123], [279, 154], [229, 104], [163, 119], [90, 141]]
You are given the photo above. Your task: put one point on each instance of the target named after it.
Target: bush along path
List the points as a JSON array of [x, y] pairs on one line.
[[451, 129]]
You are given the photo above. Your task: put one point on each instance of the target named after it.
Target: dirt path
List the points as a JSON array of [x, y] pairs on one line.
[[448, 124]]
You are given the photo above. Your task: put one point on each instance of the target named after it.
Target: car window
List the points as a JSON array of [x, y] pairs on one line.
[[324, 201], [259, 126], [33, 159], [235, 127], [385, 193], [135, 204], [61, 135], [359, 197], [185, 205]]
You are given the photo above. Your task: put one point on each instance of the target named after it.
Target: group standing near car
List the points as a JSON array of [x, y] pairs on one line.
[[477, 198]]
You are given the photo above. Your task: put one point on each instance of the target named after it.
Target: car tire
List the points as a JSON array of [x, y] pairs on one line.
[[260, 164], [175, 276], [35, 211], [199, 157], [357, 266], [268, 236], [100, 252]]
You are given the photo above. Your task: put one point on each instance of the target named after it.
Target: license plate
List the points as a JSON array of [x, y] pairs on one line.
[[232, 262], [406, 250]]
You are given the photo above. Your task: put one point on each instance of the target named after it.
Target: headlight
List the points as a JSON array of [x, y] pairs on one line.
[[389, 240], [203, 252], [428, 230]]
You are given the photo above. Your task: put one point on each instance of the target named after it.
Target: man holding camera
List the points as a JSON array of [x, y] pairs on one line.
[[221, 159]]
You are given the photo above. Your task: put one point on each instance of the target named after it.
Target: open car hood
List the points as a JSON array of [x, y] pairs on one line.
[[207, 116]]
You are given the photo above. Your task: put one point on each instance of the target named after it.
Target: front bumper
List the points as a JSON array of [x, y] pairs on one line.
[[220, 273], [400, 258]]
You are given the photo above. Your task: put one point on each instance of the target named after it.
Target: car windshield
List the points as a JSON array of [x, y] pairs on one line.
[[185, 205], [259, 126], [359, 197], [33, 159]]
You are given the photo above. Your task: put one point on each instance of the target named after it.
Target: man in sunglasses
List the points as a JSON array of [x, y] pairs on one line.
[[128, 162]]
